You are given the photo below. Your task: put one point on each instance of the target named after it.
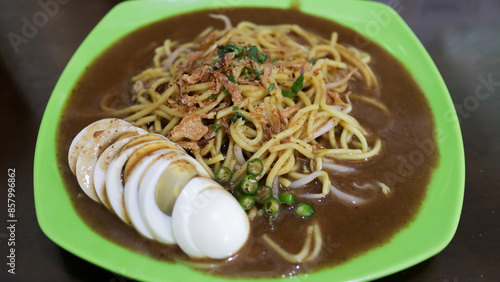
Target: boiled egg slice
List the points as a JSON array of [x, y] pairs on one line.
[[151, 137], [88, 156], [208, 221], [114, 183], [145, 150], [130, 192], [102, 165], [86, 134], [141, 160], [158, 182]]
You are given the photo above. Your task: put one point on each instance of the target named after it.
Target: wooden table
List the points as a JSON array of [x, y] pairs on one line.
[[463, 38]]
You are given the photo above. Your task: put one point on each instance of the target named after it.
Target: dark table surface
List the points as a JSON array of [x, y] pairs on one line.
[[462, 37]]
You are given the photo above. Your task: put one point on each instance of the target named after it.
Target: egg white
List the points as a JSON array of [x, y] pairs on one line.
[[102, 165], [86, 134], [131, 189], [114, 185], [88, 156], [208, 221], [158, 223]]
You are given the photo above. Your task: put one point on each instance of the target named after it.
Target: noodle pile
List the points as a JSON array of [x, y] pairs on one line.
[[277, 93]]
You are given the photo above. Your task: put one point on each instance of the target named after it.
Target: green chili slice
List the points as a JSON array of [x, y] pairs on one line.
[[223, 175], [255, 167], [246, 201], [271, 206], [237, 193], [249, 185], [263, 193], [304, 210], [287, 197]]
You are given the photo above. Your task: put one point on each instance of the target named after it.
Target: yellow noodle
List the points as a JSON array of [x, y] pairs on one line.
[[284, 130], [370, 101], [274, 172], [313, 232]]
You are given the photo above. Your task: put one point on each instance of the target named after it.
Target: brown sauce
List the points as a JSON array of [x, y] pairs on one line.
[[405, 163]]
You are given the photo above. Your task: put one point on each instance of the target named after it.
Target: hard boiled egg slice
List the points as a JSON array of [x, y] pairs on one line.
[[130, 192], [145, 150], [173, 180], [208, 221], [101, 168], [114, 184], [151, 137], [87, 158], [86, 134], [158, 181]]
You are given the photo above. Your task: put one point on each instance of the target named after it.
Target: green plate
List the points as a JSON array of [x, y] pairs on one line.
[[427, 235]]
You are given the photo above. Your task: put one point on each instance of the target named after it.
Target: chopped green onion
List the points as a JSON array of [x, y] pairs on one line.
[[223, 175], [246, 201], [249, 185], [304, 210], [271, 206], [263, 193], [252, 52], [271, 87], [274, 60], [255, 167], [237, 116], [262, 58], [216, 127], [223, 49], [296, 87], [231, 78], [257, 73], [235, 108], [287, 197]]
